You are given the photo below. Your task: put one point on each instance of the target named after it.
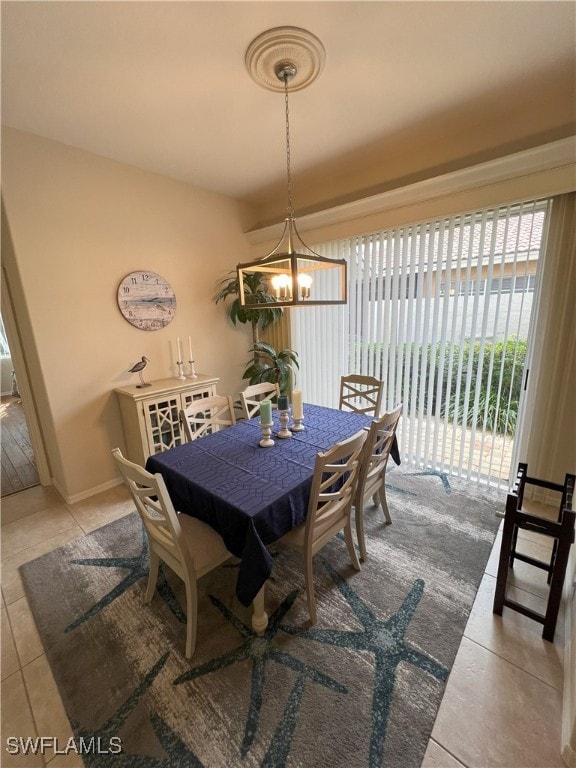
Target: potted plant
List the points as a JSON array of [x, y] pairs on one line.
[[267, 364], [272, 366], [259, 319]]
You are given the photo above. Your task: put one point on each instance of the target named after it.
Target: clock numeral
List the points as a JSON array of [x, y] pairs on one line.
[[126, 289]]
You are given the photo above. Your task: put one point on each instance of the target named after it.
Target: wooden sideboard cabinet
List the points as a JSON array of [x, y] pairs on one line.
[[150, 415]]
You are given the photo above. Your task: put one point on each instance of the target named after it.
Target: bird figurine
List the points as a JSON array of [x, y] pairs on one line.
[[138, 368]]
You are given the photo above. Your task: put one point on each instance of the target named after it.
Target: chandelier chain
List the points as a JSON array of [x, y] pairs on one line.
[[288, 174]]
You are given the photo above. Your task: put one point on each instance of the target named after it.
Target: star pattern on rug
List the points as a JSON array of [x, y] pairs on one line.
[[397, 488], [260, 650], [386, 640], [434, 473], [177, 752], [138, 568]]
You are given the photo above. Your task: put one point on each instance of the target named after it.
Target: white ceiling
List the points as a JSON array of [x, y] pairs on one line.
[[163, 86]]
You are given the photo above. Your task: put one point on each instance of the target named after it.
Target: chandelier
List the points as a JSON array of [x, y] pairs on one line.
[[292, 274]]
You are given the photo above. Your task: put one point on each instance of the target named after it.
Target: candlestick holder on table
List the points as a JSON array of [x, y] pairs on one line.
[[180, 365], [284, 432], [266, 441], [298, 426], [192, 374]]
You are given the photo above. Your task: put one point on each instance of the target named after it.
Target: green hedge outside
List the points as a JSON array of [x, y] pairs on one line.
[[500, 409]]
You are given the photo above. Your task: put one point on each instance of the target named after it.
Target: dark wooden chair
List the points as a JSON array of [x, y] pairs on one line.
[[562, 532]]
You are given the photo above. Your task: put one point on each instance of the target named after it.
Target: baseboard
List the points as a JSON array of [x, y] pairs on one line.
[[86, 494]]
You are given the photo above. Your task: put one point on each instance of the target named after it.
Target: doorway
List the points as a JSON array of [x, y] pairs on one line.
[[18, 467], [15, 350]]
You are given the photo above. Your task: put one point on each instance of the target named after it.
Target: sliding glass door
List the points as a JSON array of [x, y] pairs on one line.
[[441, 311]]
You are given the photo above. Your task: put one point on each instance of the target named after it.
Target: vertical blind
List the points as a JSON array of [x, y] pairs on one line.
[[440, 310]]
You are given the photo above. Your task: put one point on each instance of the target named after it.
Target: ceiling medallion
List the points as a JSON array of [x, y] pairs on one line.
[[292, 44]]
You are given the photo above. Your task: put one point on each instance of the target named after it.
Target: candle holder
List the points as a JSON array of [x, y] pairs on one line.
[[298, 426], [284, 419], [266, 441], [180, 365], [192, 374]]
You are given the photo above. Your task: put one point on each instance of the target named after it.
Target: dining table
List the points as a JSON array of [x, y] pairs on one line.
[[252, 495]]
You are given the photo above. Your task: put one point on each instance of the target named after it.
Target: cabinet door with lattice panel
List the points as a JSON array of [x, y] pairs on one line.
[[193, 397], [196, 394], [162, 421]]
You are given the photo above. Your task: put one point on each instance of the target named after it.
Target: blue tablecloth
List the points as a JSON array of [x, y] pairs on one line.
[[251, 495]]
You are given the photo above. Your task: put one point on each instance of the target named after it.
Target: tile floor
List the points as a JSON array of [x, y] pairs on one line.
[[501, 709]]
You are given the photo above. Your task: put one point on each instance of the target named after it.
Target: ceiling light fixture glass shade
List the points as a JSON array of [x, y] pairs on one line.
[[292, 274]]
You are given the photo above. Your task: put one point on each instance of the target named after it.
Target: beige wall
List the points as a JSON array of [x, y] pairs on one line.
[[75, 224]]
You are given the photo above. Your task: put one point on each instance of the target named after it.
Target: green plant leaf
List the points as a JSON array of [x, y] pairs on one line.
[[263, 348], [271, 366], [254, 371], [255, 289], [289, 357]]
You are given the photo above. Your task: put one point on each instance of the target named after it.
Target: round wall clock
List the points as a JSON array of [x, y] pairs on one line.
[[146, 300]]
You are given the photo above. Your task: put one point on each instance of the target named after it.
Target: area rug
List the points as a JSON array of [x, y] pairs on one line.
[[360, 689]]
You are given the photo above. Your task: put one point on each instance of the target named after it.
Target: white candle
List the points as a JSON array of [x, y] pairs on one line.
[[179, 348], [190, 359], [297, 408]]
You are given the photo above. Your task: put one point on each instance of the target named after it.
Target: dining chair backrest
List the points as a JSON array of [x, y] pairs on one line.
[[330, 504], [207, 415], [372, 476], [254, 394], [362, 394], [334, 484], [188, 546], [157, 512]]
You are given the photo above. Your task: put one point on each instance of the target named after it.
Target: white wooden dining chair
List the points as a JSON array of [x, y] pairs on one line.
[[372, 477], [252, 395], [362, 394], [333, 487], [188, 546], [207, 415]]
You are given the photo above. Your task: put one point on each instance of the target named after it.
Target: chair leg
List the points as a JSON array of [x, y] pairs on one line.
[[350, 545], [359, 516], [152, 576], [384, 502], [506, 546], [309, 579], [191, 617]]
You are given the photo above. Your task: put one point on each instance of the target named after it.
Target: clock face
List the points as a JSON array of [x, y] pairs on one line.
[[146, 300]]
